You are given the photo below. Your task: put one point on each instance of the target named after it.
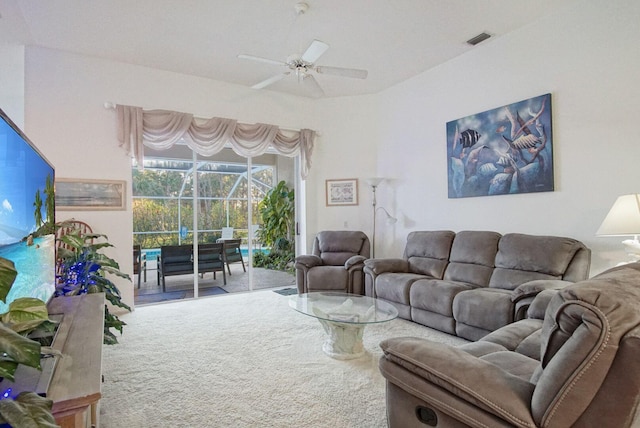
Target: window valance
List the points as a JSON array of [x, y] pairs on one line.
[[161, 129]]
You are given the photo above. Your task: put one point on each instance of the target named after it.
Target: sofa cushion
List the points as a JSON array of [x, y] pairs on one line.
[[436, 295], [327, 278], [548, 255], [484, 308], [522, 258], [476, 247], [510, 279], [513, 363], [522, 337], [395, 287], [335, 258], [477, 275], [472, 257], [428, 252]]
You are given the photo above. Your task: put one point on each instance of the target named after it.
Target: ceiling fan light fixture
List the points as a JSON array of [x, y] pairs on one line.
[[303, 66]]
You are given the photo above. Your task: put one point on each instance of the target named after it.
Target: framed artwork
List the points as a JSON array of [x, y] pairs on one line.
[[74, 194], [342, 192], [506, 150]]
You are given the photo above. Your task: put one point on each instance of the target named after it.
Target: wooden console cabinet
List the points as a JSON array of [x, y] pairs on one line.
[[75, 387]]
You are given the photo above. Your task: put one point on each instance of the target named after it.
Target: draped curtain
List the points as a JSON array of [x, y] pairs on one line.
[[161, 129]]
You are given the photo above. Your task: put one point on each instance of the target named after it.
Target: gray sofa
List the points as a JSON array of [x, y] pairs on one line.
[[471, 283], [573, 362]]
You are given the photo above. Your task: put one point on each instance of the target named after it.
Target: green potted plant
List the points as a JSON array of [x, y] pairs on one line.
[[25, 315], [277, 212], [83, 268]]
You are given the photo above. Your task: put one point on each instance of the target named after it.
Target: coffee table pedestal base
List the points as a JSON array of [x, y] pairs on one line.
[[344, 341]]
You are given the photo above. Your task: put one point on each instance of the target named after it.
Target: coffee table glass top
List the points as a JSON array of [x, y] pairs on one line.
[[343, 307]]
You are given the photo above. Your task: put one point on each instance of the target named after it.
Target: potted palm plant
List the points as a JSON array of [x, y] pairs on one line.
[[83, 268]]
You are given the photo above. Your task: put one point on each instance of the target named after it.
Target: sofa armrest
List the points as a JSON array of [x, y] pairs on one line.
[[308, 261], [538, 307], [356, 262], [532, 288], [409, 362], [378, 266]]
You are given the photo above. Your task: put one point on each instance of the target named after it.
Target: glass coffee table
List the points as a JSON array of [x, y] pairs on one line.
[[343, 317]]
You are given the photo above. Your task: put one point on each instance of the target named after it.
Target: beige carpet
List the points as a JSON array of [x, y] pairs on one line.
[[241, 360]]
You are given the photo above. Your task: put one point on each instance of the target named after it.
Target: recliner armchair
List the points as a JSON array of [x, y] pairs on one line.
[[335, 264], [584, 372]]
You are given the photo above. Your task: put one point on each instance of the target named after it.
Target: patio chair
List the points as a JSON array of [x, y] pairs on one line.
[[227, 233], [174, 260], [71, 226], [211, 259], [254, 236], [232, 253], [139, 263]]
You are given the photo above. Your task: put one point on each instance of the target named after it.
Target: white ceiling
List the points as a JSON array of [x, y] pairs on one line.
[[392, 39]]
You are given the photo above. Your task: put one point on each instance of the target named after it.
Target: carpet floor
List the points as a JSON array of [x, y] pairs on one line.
[[241, 360]]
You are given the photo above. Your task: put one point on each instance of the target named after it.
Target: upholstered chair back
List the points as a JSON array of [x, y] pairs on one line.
[[335, 247], [428, 252], [522, 258], [472, 257], [589, 372]]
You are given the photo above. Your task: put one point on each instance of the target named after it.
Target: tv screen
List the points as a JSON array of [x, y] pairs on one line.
[[27, 209]]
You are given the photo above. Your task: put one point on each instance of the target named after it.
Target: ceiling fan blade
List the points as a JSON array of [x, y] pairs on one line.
[[260, 59], [270, 80], [344, 72], [314, 51], [312, 84]]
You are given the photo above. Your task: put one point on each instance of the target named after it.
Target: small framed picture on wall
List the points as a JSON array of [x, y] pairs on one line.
[[342, 192]]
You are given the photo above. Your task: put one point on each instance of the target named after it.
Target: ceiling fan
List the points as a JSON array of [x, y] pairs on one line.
[[303, 66]]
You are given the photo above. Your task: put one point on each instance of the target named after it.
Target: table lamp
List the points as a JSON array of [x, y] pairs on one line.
[[623, 219]]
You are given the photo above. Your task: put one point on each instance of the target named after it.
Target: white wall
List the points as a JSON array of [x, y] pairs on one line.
[[12, 82], [346, 148], [586, 57]]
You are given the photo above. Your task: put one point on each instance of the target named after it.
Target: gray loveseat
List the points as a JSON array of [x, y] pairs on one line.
[[573, 362], [471, 283]]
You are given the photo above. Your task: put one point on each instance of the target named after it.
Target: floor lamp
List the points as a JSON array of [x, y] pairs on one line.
[[374, 182]]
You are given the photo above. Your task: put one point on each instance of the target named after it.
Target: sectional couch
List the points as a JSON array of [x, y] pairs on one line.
[[471, 283], [573, 362]]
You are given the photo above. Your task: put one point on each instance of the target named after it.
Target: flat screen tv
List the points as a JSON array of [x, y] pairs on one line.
[[27, 210]]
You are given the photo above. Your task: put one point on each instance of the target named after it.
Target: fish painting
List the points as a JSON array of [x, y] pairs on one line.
[[469, 137], [505, 150]]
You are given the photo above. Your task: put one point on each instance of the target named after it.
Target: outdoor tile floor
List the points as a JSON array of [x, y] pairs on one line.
[[238, 281]]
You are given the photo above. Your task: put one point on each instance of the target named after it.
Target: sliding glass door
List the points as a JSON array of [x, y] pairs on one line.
[[180, 198]]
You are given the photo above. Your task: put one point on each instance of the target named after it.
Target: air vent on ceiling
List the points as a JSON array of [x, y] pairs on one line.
[[478, 39]]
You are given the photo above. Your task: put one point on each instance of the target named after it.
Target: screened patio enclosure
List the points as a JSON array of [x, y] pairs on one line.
[[179, 197]]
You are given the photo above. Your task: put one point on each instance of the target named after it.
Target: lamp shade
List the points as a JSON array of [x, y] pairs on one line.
[[374, 181], [623, 218]]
